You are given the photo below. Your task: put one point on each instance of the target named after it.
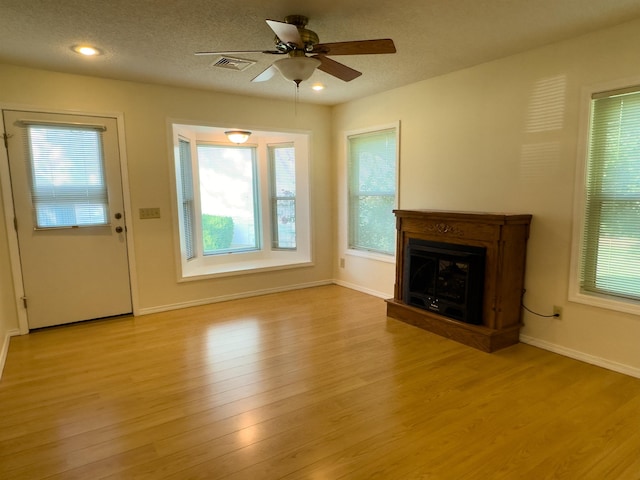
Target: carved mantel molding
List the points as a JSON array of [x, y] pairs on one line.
[[445, 228]]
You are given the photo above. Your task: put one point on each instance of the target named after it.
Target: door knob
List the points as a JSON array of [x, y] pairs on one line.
[[118, 229], [118, 216]]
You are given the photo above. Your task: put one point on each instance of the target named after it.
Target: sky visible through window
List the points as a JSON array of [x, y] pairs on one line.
[[227, 190]]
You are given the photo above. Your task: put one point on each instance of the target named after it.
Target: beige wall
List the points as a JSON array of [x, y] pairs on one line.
[[503, 137], [146, 110], [8, 314]]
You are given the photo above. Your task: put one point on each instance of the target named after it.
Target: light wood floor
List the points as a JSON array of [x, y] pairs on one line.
[[311, 384]]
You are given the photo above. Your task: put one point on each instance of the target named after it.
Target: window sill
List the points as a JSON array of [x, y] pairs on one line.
[[380, 257], [607, 302], [202, 270]]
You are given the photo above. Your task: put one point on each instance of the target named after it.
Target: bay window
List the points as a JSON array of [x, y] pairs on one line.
[[240, 208]]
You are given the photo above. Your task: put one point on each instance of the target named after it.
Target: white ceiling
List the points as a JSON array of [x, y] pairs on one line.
[[154, 40]]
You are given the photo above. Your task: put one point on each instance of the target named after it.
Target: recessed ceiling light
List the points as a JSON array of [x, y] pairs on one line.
[[86, 50], [317, 87]]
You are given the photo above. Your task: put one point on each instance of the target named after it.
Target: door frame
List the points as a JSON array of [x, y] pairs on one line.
[[9, 212]]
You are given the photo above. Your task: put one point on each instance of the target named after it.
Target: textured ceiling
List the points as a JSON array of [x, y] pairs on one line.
[[154, 40]]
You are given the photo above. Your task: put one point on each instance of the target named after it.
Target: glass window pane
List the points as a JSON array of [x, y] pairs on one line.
[[286, 224], [372, 189], [283, 194], [618, 259], [611, 237], [185, 192], [67, 173], [376, 226], [228, 198]]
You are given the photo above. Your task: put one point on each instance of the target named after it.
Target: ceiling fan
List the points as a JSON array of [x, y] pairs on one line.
[[305, 53]]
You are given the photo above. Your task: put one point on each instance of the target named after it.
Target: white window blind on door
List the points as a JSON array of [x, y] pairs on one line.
[[610, 260], [68, 185]]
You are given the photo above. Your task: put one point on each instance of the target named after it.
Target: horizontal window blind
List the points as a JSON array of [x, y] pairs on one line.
[[67, 175], [185, 191], [610, 262], [282, 163], [372, 191]]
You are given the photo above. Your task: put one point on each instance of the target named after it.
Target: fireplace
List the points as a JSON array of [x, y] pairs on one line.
[[445, 278], [461, 275]]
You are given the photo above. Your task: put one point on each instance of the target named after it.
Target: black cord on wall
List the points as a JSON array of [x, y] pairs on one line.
[[535, 313]]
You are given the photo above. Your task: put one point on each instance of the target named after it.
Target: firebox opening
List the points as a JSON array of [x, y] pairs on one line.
[[445, 278]]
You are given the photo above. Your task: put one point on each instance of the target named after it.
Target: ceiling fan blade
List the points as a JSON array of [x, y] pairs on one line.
[[337, 69], [265, 75], [286, 32], [357, 47], [272, 52]]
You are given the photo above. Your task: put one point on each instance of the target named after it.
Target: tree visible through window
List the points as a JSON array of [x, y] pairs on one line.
[[372, 191]]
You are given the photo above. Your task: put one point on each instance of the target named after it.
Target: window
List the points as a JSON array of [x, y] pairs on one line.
[[371, 172], [240, 208], [609, 246], [282, 162], [186, 198], [67, 176], [228, 198]]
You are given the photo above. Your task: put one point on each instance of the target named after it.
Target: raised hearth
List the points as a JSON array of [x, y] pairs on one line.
[[502, 238]]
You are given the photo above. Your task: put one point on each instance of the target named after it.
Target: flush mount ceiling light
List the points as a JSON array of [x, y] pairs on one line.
[[237, 136], [86, 50]]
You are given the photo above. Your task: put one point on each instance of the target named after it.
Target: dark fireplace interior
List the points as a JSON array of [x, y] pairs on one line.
[[445, 278]]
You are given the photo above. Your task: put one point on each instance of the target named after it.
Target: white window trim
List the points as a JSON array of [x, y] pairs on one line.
[[579, 206], [371, 255], [267, 258]]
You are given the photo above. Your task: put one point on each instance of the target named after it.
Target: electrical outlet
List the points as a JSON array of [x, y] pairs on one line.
[[147, 213], [557, 311], [342, 263]]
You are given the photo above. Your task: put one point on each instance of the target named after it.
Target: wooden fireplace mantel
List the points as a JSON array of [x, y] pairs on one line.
[[505, 238]]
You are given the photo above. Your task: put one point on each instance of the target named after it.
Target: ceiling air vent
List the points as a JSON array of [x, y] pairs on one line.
[[231, 63]]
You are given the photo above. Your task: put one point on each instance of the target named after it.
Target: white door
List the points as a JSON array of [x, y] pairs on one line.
[[67, 191]]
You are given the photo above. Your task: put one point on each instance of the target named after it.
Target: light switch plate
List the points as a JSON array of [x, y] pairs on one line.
[[147, 213]]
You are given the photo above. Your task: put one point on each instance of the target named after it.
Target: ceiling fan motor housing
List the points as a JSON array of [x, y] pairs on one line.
[[308, 37]]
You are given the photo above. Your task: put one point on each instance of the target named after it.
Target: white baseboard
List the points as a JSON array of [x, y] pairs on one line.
[[584, 357], [235, 296], [5, 347], [363, 290]]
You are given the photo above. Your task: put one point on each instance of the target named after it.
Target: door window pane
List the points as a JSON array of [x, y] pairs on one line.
[[67, 176]]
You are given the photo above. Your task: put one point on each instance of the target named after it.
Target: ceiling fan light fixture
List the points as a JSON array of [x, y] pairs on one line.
[[297, 69], [237, 136]]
